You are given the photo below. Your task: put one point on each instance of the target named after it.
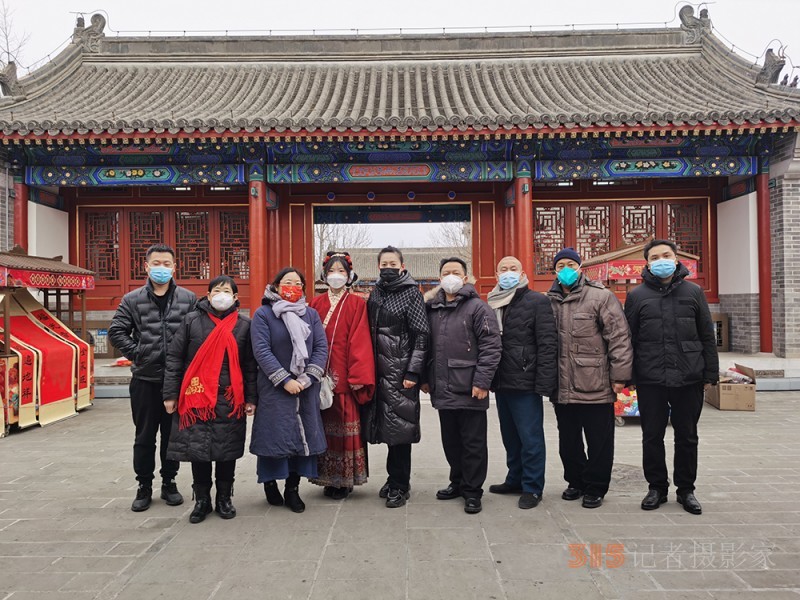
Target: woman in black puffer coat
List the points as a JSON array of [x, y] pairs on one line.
[[221, 435], [399, 329]]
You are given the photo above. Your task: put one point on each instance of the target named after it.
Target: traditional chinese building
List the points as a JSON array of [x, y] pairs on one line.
[[231, 148]]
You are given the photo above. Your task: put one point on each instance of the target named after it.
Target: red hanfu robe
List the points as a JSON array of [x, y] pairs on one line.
[[352, 362]]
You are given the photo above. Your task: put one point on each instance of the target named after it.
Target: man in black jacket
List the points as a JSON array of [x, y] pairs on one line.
[[141, 330], [528, 370], [463, 356], [674, 361]]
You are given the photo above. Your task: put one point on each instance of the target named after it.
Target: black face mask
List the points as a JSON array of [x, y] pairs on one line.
[[389, 275]]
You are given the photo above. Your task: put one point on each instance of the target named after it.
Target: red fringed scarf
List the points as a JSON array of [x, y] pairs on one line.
[[198, 397]]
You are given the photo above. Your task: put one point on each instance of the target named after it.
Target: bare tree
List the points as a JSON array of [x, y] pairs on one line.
[[453, 235], [332, 236], [11, 41]]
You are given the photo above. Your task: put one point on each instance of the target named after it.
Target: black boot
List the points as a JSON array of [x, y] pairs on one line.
[[291, 495], [202, 503], [273, 493], [223, 504]]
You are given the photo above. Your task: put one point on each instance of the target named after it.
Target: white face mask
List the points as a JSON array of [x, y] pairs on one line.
[[222, 301], [336, 280], [451, 284]]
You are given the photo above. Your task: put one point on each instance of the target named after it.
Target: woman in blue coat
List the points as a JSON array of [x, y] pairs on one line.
[[290, 347]]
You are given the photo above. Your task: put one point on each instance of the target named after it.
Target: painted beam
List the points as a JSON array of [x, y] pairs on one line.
[[417, 172], [147, 176], [566, 170]]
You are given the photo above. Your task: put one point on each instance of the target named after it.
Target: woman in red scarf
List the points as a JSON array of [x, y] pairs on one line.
[[210, 375], [352, 365]]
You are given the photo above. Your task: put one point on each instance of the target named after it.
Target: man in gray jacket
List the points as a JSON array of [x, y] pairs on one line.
[[141, 330], [595, 361], [463, 355]]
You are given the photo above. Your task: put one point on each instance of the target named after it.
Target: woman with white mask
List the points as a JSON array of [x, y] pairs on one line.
[[351, 364]]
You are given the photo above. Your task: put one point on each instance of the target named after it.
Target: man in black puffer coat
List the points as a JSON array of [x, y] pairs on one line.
[[674, 359], [400, 336], [528, 370], [141, 330], [463, 357]]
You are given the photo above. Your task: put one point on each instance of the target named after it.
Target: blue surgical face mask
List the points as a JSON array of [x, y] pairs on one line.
[[508, 280], [568, 276], [160, 275], [663, 267]]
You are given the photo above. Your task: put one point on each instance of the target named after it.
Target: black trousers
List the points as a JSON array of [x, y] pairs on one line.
[[201, 472], [149, 416], [398, 466], [682, 406], [591, 473], [464, 442]]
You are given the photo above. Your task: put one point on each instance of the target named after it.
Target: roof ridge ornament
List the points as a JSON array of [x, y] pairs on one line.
[[773, 65], [695, 28], [89, 37], [9, 84]]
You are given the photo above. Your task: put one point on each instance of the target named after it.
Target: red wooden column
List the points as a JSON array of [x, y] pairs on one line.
[[523, 222], [273, 236], [21, 196], [258, 242], [764, 261]]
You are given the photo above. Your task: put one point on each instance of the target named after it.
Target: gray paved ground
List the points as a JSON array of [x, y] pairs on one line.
[[66, 531]]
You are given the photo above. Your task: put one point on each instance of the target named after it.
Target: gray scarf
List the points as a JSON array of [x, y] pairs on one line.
[[299, 330], [498, 299]]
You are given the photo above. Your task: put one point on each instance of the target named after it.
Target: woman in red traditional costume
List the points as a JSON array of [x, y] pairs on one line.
[[352, 366], [210, 375]]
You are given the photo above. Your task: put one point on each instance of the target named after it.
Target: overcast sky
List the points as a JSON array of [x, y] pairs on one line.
[[751, 26]]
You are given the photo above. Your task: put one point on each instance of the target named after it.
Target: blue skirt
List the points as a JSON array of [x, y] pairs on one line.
[[269, 468]]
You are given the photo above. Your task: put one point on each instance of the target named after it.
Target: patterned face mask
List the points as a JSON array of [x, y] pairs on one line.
[[291, 293]]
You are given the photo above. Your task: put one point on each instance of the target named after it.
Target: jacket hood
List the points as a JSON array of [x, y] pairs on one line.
[[405, 280], [432, 293], [681, 273], [436, 298]]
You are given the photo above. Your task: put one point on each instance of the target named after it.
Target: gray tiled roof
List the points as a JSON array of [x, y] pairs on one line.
[[405, 83], [422, 263]]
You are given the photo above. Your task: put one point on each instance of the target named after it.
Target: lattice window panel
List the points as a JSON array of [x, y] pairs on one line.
[[234, 244], [101, 244], [549, 236], [685, 228], [638, 223], [146, 229], [192, 245], [592, 230]]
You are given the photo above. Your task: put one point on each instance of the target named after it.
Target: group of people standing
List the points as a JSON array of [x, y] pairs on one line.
[[200, 368]]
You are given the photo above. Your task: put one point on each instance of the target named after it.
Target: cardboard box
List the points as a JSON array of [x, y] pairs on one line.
[[734, 396]]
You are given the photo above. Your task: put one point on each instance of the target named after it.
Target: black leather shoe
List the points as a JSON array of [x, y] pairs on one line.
[[571, 493], [291, 498], [504, 488], [592, 501], [340, 493], [384, 491], [202, 503], [448, 493], [223, 504], [170, 493], [272, 493], [653, 500], [690, 503], [144, 496], [529, 500], [396, 498], [472, 506]]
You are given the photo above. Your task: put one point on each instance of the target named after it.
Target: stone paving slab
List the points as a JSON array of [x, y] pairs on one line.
[[67, 532]]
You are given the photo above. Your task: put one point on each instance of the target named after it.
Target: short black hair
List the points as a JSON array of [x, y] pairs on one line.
[[454, 259], [283, 273], [222, 280], [390, 250], [159, 248], [653, 243]]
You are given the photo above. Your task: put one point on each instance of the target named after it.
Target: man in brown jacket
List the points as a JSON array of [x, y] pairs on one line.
[[595, 360]]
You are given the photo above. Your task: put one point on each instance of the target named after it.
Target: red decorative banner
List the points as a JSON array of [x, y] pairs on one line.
[[23, 278], [46, 319], [626, 270]]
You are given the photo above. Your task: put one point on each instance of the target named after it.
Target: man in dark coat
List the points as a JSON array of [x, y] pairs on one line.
[[595, 359], [527, 371], [463, 356], [675, 361], [399, 330], [141, 330]]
